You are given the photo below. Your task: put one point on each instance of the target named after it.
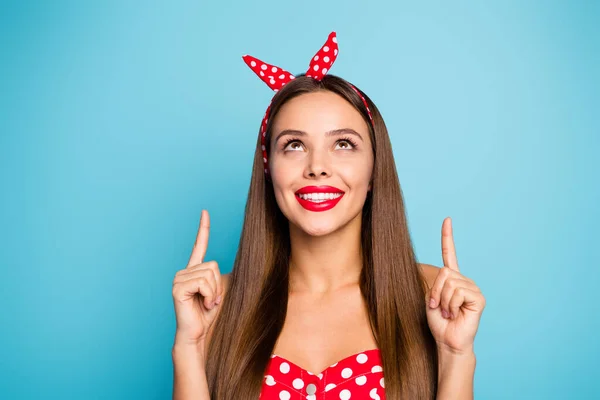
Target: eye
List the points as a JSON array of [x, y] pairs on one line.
[[293, 145], [346, 144]]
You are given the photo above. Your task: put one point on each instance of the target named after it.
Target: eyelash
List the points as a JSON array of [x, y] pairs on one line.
[[344, 139]]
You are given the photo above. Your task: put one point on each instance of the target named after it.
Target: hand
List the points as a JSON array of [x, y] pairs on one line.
[[197, 290], [454, 302]]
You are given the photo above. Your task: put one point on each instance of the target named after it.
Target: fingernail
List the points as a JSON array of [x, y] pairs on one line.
[[218, 300], [432, 303], [444, 313]]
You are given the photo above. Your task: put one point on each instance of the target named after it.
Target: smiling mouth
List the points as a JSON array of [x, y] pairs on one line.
[[319, 197]]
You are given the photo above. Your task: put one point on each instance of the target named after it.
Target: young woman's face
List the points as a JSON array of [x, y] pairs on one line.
[[321, 161]]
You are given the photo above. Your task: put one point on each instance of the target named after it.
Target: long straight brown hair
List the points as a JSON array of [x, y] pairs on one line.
[[254, 309]]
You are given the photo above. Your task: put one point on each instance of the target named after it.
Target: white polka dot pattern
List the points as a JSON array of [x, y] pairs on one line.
[[284, 395], [273, 81], [320, 64], [355, 377], [298, 383], [322, 61], [373, 394], [269, 380], [284, 368]]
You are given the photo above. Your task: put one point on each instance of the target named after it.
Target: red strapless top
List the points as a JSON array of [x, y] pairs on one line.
[[356, 377]]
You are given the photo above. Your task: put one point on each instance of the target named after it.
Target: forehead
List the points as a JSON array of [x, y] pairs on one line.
[[319, 112]]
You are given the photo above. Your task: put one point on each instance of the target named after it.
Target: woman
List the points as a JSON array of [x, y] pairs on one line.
[[325, 296]]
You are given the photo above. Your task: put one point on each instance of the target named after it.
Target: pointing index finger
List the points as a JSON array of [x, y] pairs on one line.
[[448, 249], [201, 244]]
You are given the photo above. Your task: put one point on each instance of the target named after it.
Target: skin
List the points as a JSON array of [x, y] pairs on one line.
[[327, 318], [325, 265]]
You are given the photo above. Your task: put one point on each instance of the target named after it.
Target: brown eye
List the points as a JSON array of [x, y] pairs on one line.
[[293, 145], [345, 144]]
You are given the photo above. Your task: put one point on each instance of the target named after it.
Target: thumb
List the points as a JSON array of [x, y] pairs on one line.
[[428, 298]]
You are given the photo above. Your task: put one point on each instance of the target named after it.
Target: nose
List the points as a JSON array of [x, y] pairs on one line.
[[318, 164]]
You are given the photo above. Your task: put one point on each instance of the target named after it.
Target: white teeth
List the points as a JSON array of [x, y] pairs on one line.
[[319, 197]]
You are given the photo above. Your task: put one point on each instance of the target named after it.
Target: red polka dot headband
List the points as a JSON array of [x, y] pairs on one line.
[[276, 78]]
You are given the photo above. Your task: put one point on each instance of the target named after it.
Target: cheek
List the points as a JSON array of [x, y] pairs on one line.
[[282, 173], [357, 173], [281, 181]]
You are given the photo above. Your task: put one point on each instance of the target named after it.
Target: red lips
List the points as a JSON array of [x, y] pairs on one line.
[[322, 205]]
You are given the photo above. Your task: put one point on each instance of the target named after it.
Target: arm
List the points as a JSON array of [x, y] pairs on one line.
[[455, 370], [189, 363], [456, 373], [189, 372], [198, 289], [454, 307]]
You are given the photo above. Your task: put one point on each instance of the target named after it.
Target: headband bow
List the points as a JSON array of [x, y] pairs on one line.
[[276, 77]]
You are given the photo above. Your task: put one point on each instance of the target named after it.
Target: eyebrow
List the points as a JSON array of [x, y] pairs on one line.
[[335, 132]]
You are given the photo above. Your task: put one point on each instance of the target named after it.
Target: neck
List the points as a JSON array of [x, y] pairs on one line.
[[322, 264]]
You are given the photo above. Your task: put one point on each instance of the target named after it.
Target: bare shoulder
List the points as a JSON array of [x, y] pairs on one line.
[[225, 278], [429, 272]]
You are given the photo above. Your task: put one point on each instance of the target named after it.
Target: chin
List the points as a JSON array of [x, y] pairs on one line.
[[318, 226], [317, 230]]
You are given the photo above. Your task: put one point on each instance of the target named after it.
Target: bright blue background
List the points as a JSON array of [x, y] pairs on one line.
[[120, 121]]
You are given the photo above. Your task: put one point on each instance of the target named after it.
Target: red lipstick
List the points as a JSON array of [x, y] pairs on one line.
[[314, 202]]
